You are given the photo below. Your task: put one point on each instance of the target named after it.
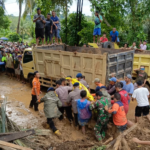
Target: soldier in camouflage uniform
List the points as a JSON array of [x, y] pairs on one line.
[[103, 116]]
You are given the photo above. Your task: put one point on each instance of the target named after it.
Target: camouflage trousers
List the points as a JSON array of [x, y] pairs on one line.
[[100, 130]]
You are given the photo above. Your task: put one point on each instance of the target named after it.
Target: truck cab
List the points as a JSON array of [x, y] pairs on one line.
[[28, 65]]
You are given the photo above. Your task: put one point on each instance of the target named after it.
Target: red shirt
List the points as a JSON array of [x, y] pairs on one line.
[[124, 99], [103, 39]]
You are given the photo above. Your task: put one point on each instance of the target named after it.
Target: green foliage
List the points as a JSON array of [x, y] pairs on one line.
[[4, 21], [49, 5], [71, 28], [33, 41], [14, 37], [86, 33], [99, 148], [128, 16]]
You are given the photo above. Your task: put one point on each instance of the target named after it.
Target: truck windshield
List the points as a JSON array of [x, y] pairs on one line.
[[27, 57]]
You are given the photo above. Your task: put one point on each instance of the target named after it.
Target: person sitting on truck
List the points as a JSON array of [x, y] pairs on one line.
[[35, 91], [133, 47], [79, 77], [128, 85], [125, 47], [119, 115], [39, 30], [51, 108], [97, 27], [114, 36], [103, 39], [143, 46], [97, 82], [111, 87], [141, 76], [48, 28], [62, 92]]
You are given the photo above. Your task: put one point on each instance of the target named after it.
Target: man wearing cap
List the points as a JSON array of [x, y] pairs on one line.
[[62, 92], [51, 105], [128, 85], [141, 75], [111, 87], [79, 77], [35, 91], [97, 82], [39, 29], [72, 97]]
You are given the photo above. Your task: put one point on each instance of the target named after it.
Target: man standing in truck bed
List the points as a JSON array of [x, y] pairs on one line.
[[39, 29], [35, 91]]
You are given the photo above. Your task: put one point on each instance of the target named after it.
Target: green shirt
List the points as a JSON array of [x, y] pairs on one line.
[[97, 22], [4, 59]]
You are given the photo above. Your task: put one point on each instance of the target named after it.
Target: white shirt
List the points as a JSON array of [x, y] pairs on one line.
[[141, 95], [143, 47]]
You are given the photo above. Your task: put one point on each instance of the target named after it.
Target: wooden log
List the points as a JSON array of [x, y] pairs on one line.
[[125, 144], [124, 133], [6, 144], [107, 141], [116, 145], [85, 145], [6, 148], [120, 146]]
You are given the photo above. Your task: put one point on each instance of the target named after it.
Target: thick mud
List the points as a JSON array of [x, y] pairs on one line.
[[18, 100]]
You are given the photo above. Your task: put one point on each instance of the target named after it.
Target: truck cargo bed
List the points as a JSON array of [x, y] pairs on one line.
[[54, 61]]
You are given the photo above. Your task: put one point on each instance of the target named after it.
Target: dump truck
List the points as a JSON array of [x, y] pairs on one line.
[[142, 59], [54, 62]]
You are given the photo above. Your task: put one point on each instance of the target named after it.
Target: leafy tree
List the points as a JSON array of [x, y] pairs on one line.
[[86, 33], [4, 21], [14, 37], [71, 28], [20, 2]]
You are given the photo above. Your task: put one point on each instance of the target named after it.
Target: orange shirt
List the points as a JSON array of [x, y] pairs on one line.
[[100, 84], [35, 84], [119, 115]]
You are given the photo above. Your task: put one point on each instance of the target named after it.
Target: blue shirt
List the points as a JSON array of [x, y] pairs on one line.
[[128, 87], [54, 20], [114, 35]]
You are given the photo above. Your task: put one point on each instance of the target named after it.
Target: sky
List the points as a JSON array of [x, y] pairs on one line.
[[13, 8]]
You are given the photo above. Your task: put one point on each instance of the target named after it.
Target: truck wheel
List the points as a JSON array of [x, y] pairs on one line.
[[31, 79], [107, 45]]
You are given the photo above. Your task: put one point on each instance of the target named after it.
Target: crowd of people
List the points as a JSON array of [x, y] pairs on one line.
[[11, 59], [48, 27], [111, 103]]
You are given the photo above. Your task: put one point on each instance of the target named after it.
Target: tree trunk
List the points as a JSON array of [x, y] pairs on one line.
[[20, 9]]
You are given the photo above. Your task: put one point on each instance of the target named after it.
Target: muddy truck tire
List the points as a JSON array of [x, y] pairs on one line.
[[107, 45], [31, 79]]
